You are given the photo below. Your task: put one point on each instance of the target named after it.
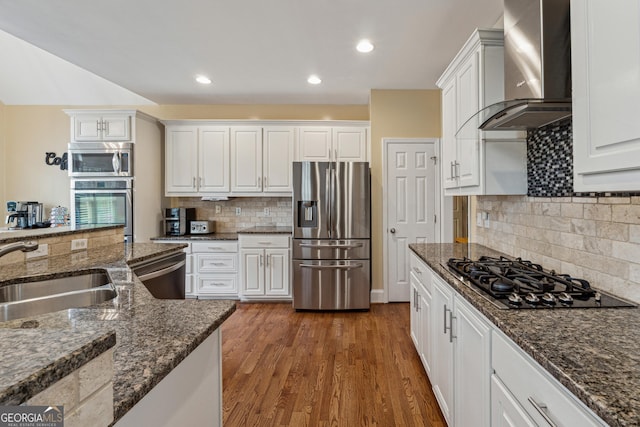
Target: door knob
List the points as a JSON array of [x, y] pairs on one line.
[[393, 231]]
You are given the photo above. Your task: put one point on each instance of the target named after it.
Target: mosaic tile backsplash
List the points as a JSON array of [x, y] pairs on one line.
[[550, 160]]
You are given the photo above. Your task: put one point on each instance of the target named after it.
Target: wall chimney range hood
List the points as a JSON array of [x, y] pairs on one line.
[[537, 67]]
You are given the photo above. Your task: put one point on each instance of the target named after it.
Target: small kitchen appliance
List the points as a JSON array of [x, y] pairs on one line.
[[24, 215], [202, 227], [520, 284], [177, 221]]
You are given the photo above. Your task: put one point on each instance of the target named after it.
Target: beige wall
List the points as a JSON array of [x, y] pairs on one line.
[[29, 133], [597, 239], [402, 114], [3, 169]]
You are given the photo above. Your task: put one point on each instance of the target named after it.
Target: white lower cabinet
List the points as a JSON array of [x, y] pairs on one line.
[[265, 266], [533, 390], [479, 376], [216, 267]]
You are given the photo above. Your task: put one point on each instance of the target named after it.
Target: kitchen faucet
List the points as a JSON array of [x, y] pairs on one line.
[[18, 246]]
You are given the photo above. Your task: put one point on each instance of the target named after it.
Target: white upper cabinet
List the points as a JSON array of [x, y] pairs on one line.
[[474, 80], [605, 62], [277, 158], [324, 143], [196, 160], [181, 154], [246, 159], [213, 159], [90, 127]]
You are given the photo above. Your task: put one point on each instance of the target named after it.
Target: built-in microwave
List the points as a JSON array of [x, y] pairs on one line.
[[100, 159]]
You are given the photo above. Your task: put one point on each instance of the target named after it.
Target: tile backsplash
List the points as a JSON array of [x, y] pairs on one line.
[[596, 238], [252, 211], [550, 160]]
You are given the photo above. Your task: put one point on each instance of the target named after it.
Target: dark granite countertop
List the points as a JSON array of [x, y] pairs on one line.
[[198, 237], [258, 229], [10, 236], [266, 229], [592, 352], [152, 336]]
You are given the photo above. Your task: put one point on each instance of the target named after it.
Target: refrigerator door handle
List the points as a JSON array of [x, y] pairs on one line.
[[332, 203], [327, 205], [332, 267], [332, 246]]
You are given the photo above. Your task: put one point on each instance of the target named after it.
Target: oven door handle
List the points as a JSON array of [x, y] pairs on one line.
[[162, 272], [332, 267]]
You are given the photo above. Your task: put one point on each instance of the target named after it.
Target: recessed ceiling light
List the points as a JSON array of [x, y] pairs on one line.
[[203, 80], [364, 46], [314, 80]]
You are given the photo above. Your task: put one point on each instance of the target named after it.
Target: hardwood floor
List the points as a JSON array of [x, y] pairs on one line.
[[287, 368]]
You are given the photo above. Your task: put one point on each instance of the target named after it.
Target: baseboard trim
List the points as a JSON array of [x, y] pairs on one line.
[[377, 296]]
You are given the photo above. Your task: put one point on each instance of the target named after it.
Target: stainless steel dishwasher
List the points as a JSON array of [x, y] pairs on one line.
[[163, 276]]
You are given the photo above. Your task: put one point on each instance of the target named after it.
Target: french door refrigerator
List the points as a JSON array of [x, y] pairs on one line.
[[331, 254]]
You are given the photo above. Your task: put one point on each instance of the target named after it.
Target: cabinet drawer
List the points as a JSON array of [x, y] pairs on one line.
[[215, 246], [264, 241], [535, 390], [420, 271], [216, 263], [226, 284]]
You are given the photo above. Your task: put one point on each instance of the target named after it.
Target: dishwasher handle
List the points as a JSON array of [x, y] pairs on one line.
[[162, 272]]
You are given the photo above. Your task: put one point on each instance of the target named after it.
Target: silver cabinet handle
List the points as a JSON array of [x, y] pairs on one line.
[[98, 127], [200, 181], [542, 410], [450, 327], [261, 260], [417, 270], [268, 256], [264, 243], [265, 182], [452, 173], [193, 185], [259, 181], [457, 169], [392, 231]]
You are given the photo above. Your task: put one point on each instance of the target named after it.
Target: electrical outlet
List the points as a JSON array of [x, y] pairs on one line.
[[267, 211], [78, 244], [238, 211], [487, 223], [479, 219], [218, 209], [43, 250]]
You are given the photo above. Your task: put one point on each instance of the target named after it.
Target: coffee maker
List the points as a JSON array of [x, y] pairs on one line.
[[24, 215]]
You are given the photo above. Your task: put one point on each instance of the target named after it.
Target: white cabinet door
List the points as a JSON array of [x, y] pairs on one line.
[[472, 367], [449, 145], [442, 317], [181, 162], [116, 127], [276, 272], [467, 138], [349, 144], [98, 127], [277, 145], [505, 411], [214, 174], [605, 56], [252, 271], [314, 144], [246, 159], [425, 330]]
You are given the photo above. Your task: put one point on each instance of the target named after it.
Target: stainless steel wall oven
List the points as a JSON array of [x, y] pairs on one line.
[[99, 202]]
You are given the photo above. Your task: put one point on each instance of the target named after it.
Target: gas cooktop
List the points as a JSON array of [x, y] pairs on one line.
[[520, 284]]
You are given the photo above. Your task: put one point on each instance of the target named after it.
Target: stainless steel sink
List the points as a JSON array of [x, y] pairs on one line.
[[42, 296]]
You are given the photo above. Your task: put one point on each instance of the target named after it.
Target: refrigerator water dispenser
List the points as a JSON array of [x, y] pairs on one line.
[[307, 213]]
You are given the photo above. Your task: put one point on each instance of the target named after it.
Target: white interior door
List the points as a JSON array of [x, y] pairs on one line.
[[410, 197]]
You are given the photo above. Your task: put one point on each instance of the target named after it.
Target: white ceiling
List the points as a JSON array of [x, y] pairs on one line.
[[255, 51]]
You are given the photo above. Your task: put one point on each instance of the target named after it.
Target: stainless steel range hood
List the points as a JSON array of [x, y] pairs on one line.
[[537, 66]]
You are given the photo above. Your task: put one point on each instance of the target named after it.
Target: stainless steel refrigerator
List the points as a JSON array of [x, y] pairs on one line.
[[331, 254]]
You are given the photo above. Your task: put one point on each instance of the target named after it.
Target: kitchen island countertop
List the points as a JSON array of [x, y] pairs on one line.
[[152, 336], [593, 352]]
